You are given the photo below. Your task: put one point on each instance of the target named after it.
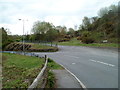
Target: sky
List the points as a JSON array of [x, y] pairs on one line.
[[67, 13]]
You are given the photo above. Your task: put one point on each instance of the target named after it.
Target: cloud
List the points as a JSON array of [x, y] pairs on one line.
[[58, 12]]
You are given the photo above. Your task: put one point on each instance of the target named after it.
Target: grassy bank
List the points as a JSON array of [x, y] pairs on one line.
[[42, 48], [30, 47], [19, 71], [53, 65], [39, 46], [75, 42]]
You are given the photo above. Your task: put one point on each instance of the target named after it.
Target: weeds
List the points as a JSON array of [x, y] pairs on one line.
[[19, 71]]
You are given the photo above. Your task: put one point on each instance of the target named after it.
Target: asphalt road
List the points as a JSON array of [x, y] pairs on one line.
[[95, 67]]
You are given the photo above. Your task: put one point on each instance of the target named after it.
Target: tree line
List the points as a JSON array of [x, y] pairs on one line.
[[101, 27], [92, 30], [45, 31]]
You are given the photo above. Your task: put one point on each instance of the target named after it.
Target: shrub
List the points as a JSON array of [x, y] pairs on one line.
[[113, 40], [6, 42], [87, 40], [49, 60], [79, 38], [64, 39], [86, 34], [50, 80], [17, 40]]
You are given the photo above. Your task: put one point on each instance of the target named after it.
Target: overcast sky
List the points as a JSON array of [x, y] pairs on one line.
[[58, 12]]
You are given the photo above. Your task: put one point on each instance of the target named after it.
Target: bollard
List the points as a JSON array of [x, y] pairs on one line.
[[45, 57], [56, 45]]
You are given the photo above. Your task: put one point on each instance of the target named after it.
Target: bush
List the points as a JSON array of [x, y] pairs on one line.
[[50, 61], [64, 39], [43, 50], [17, 40], [87, 40], [113, 40], [79, 38], [50, 80], [6, 42], [86, 34]]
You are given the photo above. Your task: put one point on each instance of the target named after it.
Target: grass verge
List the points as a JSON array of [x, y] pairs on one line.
[[43, 48], [39, 46], [53, 65], [51, 80], [19, 71], [74, 42]]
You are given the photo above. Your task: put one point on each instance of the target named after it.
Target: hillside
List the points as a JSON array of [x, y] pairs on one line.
[[99, 28]]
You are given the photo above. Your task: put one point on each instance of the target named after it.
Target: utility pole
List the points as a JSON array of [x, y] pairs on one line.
[[23, 36], [75, 27]]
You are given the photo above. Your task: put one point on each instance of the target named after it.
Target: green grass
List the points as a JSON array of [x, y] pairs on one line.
[[19, 71], [53, 65], [35, 47], [50, 80], [38, 46], [75, 42], [72, 42]]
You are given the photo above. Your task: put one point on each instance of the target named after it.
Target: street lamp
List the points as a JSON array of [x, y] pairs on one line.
[[23, 35]]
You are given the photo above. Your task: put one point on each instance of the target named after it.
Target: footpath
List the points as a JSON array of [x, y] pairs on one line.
[[65, 80]]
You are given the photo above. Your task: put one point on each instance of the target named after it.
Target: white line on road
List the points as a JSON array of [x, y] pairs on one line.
[[73, 63], [102, 63], [71, 56], [81, 84]]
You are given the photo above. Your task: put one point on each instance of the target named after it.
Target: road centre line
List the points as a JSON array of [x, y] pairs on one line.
[[102, 63], [71, 56], [73, 63]]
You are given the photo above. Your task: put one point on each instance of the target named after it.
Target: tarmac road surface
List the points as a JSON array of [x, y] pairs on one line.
[[95, 67]]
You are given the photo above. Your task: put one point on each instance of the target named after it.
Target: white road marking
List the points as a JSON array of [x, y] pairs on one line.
[[71, 56], [73, 63], [81, 84], [102, 63]]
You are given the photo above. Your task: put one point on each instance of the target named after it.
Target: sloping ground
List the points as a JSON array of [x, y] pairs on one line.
[[17, 47], [30, 47], [19, 71], [75, 42]]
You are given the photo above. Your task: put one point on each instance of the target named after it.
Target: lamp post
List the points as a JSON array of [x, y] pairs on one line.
[[23, 36]]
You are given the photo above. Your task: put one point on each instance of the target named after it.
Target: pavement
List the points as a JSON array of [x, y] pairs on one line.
[[65, 80], [94, 67]]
